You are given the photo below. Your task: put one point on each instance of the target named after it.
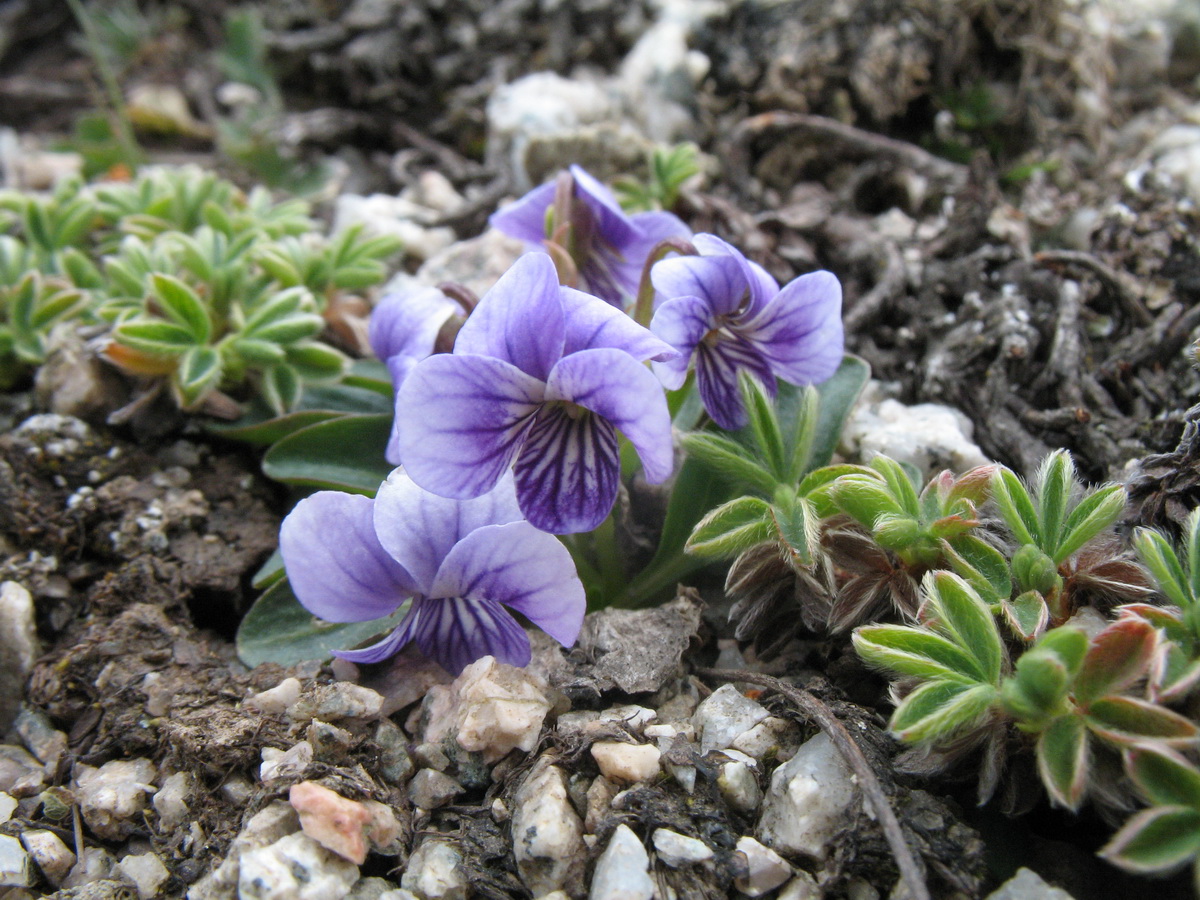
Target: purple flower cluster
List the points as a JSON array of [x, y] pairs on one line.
[[507, 433]]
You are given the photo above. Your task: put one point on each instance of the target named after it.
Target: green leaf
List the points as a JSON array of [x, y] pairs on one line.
[[914, 651], [278, 629], [730, 459], [1062, 760], [371, 374], [314, 361], [198, 374], [182, 306], [838, 394], [257, 353], [1163, 776], [343, 454], [1054, 480], [164, 339], [1038, 689], [763, 428], [1016, 507], [899, 485], [1157, 555], [281, 387], [799, 441], [1191, 536], [963, 616], [731, 528], [864, 498], [1027, 615], [1094, 514], [1127, 720], [940, 710], [269, 572], [1156, 841], [897, 532], [318, 403], [1118, 657], [796, 528], [983, 566]]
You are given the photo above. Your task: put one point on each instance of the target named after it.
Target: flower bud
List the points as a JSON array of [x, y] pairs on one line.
[[1035, 571]]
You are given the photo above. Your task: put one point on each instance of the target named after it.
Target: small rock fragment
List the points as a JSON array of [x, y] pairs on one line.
[[1028, 885], [146, 871], [623, 869], [490, 709], [42, 739], [94, 864], [113, 796], [773, 735], [809, 800], [334, 822], [18, 648], [292, 763], [295, 867], [275, 701], [19, 766], [335, 702], [395, 765], [724, 716], [677, 849], [547, 834], [271, 823], [52, 856], [171, 800], [766, 868], [739, 787], [16, 866], [430, 789], [384, 830], [435, 872], [626, 762], [802, 887], [600, 795], [8, 805]]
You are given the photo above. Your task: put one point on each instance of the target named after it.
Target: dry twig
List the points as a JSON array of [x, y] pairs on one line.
[[910, 869]]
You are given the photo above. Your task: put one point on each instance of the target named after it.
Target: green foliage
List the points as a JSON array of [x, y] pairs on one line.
[[669, 169], [186, 269]]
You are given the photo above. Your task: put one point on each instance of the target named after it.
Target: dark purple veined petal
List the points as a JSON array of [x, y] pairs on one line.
[[717, 366], [335, 564], [622, 392], [419, 529], [682, 323], [800, 331], [525, 219], [520, 320], [592, 324], [568, 469], [523, 568], [762, 286], [385, 649], [717, 280], [461, 420], [406, 323], [455, 631]]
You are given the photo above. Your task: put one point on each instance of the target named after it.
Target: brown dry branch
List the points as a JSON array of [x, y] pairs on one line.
[[911, 872]]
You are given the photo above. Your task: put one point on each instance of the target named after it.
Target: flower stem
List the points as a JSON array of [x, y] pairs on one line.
[[643, 308]]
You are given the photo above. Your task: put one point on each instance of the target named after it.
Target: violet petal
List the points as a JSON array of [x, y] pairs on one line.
[[568, 470], [720, 281], [419, 529], [406, 323], [591, 323], [384, 649], [456, 631], [523, 568], [717, 368], [762, 286], [682, 323], [800, 331], [520, 320], [335, 564], [625, 393], [461, 420], [525, 219]]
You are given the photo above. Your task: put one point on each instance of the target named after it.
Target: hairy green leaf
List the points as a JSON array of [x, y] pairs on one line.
[[1016, 506], [1163, 775], [1156, 841], [1127, 720], [915, 651], [1062, 760], [1095, 512], [963, 616], [1117, 657], [731, 459], [731, 528], [182, 306], [940, 710]]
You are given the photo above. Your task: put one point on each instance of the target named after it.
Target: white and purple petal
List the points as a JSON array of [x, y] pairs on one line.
[[523, 568], [460, 421], [762, 286], [568, 470], [386, 648], [525, 219], [625, 393], [456, 631], [335, 564], [682, 323], [720, 281], [419, 529], [718, 363], [404, 326], [800, 331], [520, 320], [591, 323]]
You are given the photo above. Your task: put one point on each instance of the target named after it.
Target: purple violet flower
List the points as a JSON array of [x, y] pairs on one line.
[[726, 314], [542, 378], [353, 559], [405, 327], [608, 247]]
